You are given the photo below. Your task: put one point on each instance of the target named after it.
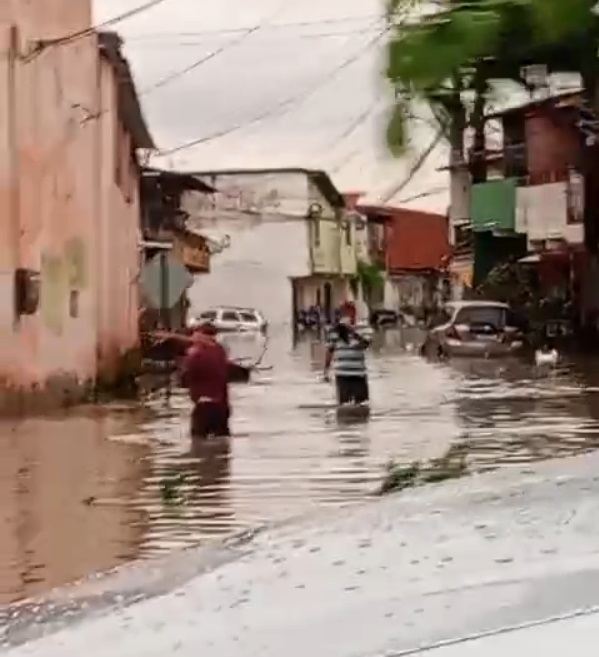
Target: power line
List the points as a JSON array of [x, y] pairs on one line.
[[272, 26], [415, 168], [202, 42], [171, 77], [431, 192], [108, 23], [284, 106]]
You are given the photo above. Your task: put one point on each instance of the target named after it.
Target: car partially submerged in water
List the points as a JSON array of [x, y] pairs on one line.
[[474, 329]]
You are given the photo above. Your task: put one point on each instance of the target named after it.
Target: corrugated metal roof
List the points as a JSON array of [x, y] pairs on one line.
[[416, 240]]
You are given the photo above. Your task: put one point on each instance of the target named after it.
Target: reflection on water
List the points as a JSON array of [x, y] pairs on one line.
[[89, 491]]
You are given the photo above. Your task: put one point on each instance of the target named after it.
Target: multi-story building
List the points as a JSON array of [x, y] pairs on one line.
[[70, 129], [290, 244]]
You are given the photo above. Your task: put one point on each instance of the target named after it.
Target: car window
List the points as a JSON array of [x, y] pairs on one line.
[[491, 315], [248, 317], [230, 316], [209, 315]]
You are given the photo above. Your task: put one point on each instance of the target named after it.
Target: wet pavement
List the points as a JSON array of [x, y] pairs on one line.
[[97, 488], [444, 565]]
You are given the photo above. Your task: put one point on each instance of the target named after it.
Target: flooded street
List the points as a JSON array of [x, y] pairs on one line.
[[96, 488]]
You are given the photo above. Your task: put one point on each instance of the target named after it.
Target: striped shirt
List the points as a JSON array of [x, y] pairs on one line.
[[348, 357]]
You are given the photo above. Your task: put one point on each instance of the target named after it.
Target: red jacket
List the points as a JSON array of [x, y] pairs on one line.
[[205, 372]]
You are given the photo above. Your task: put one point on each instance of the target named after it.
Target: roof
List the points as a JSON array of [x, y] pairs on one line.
[[565, 99], [416, 240], [184, 181], [128, 101], [319, 178]]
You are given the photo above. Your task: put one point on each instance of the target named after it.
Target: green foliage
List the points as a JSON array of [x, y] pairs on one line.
[[425, 55], [452, 465], [369, 276]]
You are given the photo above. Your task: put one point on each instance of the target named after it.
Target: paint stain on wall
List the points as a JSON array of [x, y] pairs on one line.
[[54, 293], [76, 264]]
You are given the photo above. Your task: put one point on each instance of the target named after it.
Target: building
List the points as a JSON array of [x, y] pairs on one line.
[[290, 245], [532, 201], [70, 128], [413, 248], [165, 228], [531, 206]]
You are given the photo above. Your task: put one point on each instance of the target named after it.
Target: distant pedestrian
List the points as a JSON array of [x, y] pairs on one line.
[[346, 355], [205, 373]]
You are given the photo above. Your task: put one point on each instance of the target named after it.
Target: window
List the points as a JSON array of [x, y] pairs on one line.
[[347, 230], [230, 316], [487, 315], [316, 231], [248, 317], [208, 316]]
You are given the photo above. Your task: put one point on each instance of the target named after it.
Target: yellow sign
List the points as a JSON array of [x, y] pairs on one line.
[[196, 257]]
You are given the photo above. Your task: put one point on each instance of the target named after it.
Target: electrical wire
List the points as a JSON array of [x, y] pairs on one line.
[[273, 26], [202, 42], [108, 23], [431, 192], [415, 168], [285, 105], [175, 75]]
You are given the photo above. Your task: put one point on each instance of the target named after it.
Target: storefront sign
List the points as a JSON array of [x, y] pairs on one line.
[[195, 256]]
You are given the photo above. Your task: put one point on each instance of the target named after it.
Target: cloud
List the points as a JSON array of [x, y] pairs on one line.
[[320, 86]]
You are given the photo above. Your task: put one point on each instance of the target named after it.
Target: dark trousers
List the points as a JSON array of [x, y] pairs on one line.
[[210, 419], [352, 389]]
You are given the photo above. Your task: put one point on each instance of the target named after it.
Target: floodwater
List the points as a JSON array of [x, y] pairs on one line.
[[89, 490]]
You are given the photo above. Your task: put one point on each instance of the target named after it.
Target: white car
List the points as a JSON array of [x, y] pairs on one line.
[[232, 319]]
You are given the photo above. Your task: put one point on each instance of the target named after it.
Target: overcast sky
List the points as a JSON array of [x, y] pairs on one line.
[[319, 85]]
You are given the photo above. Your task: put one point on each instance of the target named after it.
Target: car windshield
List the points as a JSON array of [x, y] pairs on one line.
[[208, 315], [491, 315]]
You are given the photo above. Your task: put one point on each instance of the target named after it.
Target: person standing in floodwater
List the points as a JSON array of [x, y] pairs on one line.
[[205, 373], [346, 354]]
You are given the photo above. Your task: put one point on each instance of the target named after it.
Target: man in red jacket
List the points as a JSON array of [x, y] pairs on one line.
[[205, 373]]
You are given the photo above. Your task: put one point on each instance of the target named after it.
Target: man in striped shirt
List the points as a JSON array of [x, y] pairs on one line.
[[346, 355]]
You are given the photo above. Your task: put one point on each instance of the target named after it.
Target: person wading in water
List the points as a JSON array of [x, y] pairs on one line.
[[345, 353], [205, 373]]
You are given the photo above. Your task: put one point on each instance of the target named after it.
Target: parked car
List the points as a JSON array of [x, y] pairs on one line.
[[385, 317], [474, 329], [227, 318]]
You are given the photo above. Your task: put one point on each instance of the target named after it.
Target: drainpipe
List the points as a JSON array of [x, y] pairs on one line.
[[14, 173], [98, 125]]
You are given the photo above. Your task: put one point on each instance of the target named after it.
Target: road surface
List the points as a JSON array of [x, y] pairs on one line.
[[409, 574]]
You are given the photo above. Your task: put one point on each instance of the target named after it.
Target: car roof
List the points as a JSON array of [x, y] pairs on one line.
[[236, 308], [476, 304]]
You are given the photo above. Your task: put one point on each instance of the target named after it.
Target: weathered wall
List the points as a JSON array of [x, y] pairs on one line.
[[551, 148], [264, 215], [542, 213], [62, 219]]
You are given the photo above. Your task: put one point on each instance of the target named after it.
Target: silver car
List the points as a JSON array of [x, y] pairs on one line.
[[474, 329]]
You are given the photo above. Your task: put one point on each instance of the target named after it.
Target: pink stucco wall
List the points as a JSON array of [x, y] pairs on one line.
[[62, 212]]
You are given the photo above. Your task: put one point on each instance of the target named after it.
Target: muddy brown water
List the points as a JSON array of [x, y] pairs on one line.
[[89, 490]]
